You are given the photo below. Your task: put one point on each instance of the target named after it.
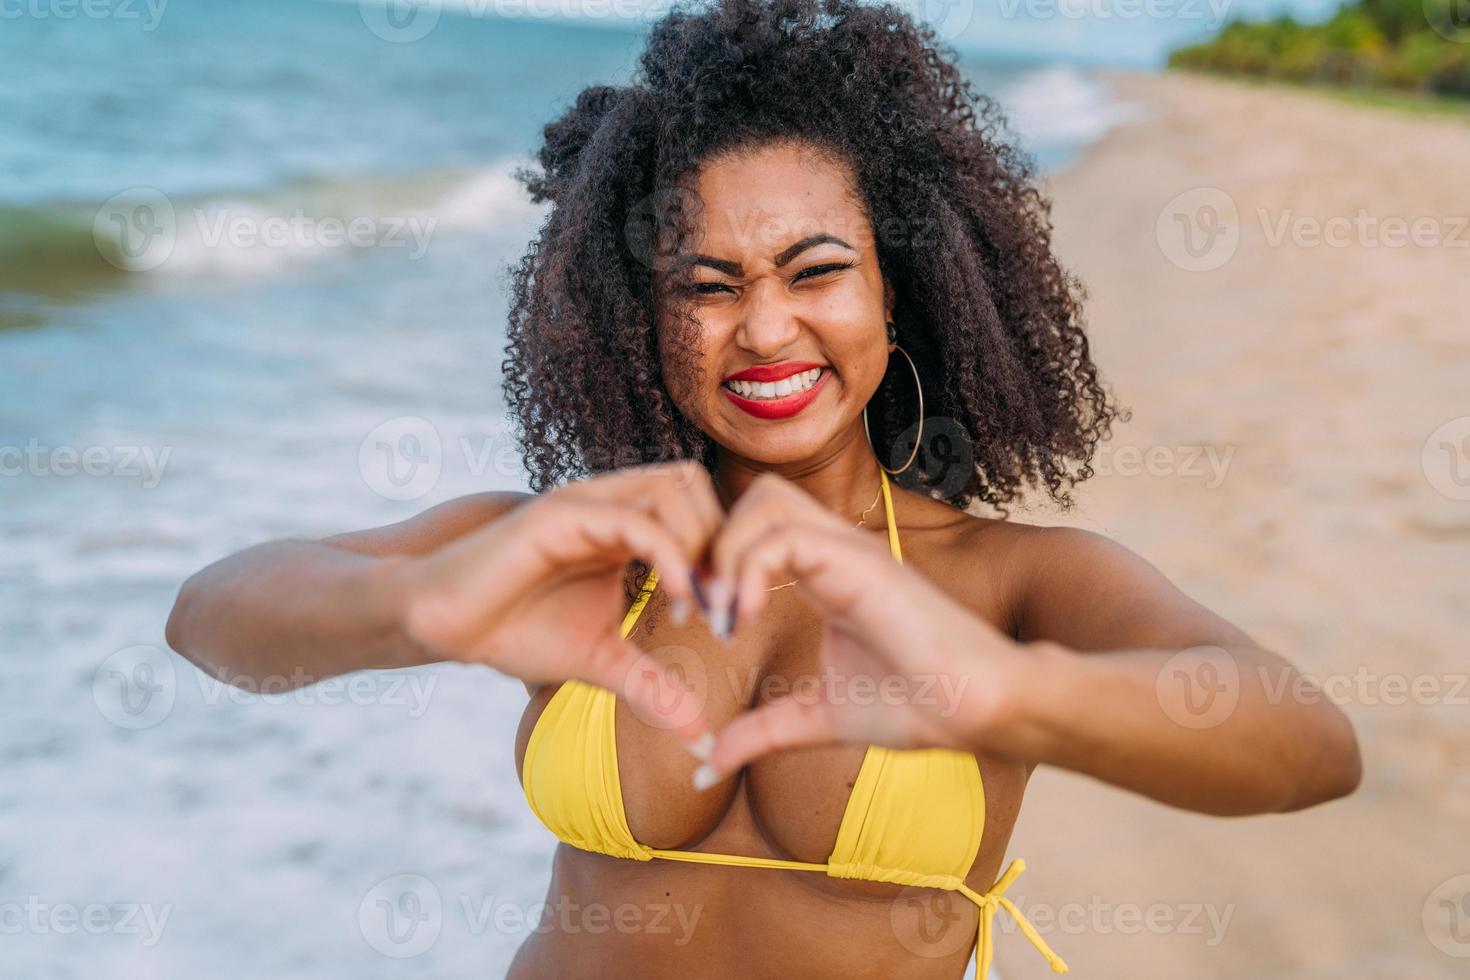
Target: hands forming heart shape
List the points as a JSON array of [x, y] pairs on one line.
[[538, 595]]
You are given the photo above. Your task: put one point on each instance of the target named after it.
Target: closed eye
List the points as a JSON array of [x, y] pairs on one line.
[[811, 272], [822, 270]]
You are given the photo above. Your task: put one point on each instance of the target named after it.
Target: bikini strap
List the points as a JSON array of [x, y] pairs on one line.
[[893, 545], [995, 899]]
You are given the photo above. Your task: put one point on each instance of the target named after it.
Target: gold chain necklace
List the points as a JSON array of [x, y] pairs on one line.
[[862, 520]]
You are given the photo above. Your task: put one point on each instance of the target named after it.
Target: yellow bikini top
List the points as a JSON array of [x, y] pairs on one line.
[[915, 817]]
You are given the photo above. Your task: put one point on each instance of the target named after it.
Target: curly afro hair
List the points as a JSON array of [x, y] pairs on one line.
[[991, 320]]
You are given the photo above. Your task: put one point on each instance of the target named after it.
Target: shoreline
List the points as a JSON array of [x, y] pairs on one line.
[[1319, 370]]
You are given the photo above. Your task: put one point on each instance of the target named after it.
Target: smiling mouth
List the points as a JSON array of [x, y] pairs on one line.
[[774, 400], [768, 391]]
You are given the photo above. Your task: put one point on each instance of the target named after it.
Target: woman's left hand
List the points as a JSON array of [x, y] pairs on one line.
[[902, 664]]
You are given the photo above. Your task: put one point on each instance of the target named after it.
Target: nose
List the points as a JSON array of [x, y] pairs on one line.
[[769, 325]]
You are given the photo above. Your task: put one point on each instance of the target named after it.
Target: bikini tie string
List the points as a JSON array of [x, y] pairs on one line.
[[995, 899]]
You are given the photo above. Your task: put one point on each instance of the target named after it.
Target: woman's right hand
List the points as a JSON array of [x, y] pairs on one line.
[[539, 595]]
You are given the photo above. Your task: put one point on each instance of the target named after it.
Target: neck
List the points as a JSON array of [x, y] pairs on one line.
[[844, 480]]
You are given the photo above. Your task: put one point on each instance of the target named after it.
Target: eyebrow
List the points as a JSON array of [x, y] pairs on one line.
[[785, 255]]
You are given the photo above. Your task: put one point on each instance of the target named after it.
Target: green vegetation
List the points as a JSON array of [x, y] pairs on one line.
[[1420, 46]]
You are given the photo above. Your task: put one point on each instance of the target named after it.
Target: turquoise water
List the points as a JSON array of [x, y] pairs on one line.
[[173, 392]]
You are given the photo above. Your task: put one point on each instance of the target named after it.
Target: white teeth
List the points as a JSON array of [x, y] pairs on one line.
[[775, 389]]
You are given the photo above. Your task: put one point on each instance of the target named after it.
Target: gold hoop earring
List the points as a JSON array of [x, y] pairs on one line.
[[919, 439]]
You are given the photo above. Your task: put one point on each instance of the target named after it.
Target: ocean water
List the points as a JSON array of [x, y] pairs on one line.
[[196, 357]]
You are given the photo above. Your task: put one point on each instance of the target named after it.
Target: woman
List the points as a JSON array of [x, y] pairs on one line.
[[789, 260]]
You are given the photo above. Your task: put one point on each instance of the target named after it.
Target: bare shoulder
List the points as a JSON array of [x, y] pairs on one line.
[[1037, 580], [433, 528], [1090, 592]]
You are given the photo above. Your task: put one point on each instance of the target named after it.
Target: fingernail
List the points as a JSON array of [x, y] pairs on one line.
[[720, 607], [701, 747], [705, 777], [699, 596], [679, 611]]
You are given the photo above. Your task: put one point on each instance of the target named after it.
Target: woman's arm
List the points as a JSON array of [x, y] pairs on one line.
[[1118, 674], [531, 585], [298, 611], [1131, 681]]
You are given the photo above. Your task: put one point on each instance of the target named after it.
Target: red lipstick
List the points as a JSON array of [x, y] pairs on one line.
[[773, 372], [776, 408]]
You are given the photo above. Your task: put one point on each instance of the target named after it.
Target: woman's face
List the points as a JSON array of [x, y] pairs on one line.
[[790, 303]]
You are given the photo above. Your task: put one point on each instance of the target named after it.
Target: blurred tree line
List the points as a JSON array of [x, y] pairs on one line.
[[1414, 45]]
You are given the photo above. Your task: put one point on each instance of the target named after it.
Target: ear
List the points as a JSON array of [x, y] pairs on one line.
[[888, 297]]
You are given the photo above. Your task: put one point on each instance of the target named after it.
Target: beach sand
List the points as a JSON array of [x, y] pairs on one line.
[[1315, 369]]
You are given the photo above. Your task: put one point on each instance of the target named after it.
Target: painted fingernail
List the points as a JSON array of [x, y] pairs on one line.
[[705, 777], [679, 611], [699, 595], [702, 747]]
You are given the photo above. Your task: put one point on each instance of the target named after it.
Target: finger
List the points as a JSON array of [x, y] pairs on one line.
[[834, 570], [649, 688], [680, 494], [768, 502], [679, 510], [694, 481], [784, 724], [591, 531]]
